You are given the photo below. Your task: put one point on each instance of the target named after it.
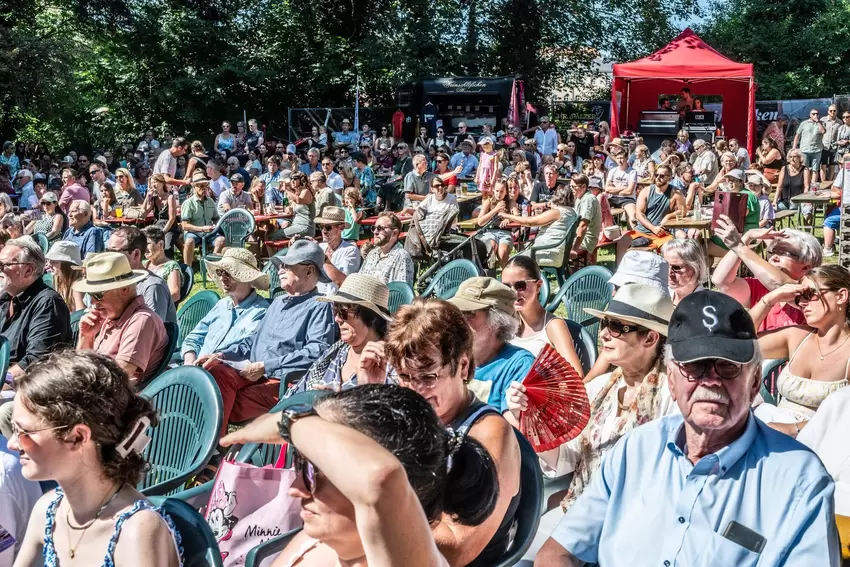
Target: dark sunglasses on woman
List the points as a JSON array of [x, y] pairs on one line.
[[616, 328], [520, 285], [306, 469]]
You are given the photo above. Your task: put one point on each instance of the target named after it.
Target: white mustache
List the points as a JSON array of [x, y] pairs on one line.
[[703, 394]]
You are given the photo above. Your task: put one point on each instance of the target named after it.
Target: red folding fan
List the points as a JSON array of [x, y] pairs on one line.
[[558, 408]]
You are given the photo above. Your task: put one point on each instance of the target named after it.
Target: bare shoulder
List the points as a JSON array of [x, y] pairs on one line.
[[495, 433], [146, 535]]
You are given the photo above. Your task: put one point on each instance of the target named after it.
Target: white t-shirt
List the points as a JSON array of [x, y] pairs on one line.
[[17, 498], [621, 179], [335, 182], [346, 259], [219, 185], [743, 159]]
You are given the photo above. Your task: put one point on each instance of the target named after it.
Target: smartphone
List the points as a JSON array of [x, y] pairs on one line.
[[744, 536]]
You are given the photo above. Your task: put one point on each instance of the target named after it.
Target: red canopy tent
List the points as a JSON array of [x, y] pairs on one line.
[[687, 61]]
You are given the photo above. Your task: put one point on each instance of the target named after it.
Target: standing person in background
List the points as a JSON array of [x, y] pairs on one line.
[[547, 137], [166, 163], [589, 215], [72, 190], [345, 138], [488, 168], [9, 158], [809, 139], [225, 141], [163, 204], [255, 136], [831, 124]]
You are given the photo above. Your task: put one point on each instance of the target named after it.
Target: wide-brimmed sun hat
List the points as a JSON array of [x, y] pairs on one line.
[[199, 177], [65, 251], [361, 289], [332, 215], [108, 270], [240, 264], [644, 305]]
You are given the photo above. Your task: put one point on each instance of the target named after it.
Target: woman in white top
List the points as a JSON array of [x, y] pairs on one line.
[[634, 331], [686, 265], [537, 327], [819, 351]]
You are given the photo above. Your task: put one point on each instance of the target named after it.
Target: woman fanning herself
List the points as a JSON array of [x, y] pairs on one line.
[[429, 344], [819, 351], [538, 328], [634, 330], [76, 420], [377, 468]]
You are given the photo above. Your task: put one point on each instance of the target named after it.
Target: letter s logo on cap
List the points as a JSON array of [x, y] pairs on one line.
[[709, 317]]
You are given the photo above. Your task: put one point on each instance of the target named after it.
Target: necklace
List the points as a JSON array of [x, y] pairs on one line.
[[822, 355], [87, 525]]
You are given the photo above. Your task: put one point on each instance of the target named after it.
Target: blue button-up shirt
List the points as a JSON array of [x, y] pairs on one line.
[[225, 325], [294, 333], [89, 238], [469, 163], [350, 138], [649, 505]]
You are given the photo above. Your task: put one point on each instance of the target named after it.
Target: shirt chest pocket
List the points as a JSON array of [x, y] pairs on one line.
[[721, 552]]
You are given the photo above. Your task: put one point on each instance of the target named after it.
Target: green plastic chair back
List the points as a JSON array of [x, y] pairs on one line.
[[561, 272], [193, 310], [5, 353], [173, 333], [545, 291], [269, 548], [190, 411], [187, 282], [584, 344], [400, 294], [47, 278], [770, 370], [587, 288], [75, 323], [42, 241], [200, 548], [236, 225], [449, 277]]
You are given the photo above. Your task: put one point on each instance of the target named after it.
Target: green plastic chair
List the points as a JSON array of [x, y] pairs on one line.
[[400, 294], [561, 272], [47, 278], [587, 288], [42, 241], [192, 311], [446, 281], [172, 331], [200, 549], [584, 344], [187, 282], [5, 353], [236, 225], [269, 548], [190, 411], [271, 270], [545, 291], [75, 324], [770, 370]]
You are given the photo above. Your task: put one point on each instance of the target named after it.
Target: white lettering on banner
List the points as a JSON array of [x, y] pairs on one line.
[[767, 116], [463, 86], [710, 321]]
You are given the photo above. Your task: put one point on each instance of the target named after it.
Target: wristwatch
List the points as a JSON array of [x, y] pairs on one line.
[[290, 415]]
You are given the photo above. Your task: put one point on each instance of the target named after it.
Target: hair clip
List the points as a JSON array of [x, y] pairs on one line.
[[136, 441]]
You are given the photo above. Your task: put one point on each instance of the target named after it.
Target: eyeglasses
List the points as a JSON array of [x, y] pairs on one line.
[[786, 253], [343, 312], [306, 469], [723, 369], [221, 274], [377, 228], [616, 328], [677, 269], [4, 265], [426, 381], [327, 163], [22, 434], [661, 176], [520, 285]]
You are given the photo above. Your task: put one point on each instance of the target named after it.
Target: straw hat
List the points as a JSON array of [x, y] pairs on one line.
[[241, 265], [332, 215], [199, 177], [65, 251], [360, 289], [108, 270], [644, 305]]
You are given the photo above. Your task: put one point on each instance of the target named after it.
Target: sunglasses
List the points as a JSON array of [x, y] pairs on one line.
[[327, 163], [677, 269], [344, 312], [661, 176], [723, 369], [616, 328], [441, 161], [786, 253], [306, 469], [377, 228], [520, 285], [97, 295], [809, 294], [329, 227], [220, 274]]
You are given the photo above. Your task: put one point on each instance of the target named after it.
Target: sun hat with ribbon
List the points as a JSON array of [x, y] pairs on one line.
[[199, 177], [644, 305], [240, 264], [65, 251], [106, 271], [332, 215], [361, 289]]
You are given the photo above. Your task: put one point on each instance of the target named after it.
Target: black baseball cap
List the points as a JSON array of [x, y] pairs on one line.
[[709, 324], [237, 178]]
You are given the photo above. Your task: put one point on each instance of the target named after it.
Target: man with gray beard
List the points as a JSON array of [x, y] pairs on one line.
[[712, 486]]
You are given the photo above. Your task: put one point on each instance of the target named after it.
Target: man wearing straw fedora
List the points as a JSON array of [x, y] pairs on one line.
[[341, 257], [296, 330], [119, 324], [199, 215], [235, 316]]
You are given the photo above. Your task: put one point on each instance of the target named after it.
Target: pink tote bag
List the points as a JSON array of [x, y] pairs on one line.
[[248, 506]]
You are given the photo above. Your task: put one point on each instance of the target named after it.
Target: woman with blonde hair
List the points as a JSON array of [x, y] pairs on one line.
[[126, 194], [643, 164], [164, 205]]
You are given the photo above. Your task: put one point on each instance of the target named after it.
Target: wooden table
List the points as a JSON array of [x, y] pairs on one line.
[[274, 216], [818, 200], [688, 222], [126, 221]]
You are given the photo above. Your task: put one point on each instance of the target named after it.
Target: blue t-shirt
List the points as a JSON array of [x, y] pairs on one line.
[[491, 380]]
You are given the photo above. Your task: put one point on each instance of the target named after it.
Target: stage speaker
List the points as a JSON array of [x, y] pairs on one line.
[[707, 135]]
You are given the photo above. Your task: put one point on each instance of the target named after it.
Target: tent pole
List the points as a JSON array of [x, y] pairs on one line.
[[628, 90]]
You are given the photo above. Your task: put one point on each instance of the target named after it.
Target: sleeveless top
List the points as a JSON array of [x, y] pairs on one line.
[[792, 185], [535, 343], [775, 164], [49, 551], [553, 234], [657, 207], [802, 396], [226, 143], [486, 165], [45, 224], [160, 213], [199, 163], [504, 535]]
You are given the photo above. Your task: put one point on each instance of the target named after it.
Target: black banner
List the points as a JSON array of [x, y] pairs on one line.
[[565, 113]]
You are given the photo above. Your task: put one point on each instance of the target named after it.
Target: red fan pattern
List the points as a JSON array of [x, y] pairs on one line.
[[558, 408]]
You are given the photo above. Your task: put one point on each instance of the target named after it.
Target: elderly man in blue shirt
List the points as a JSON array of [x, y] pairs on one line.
[[465, 159], [296, 330], [346, 138], [82, 231], [713, 486], [235, 316]]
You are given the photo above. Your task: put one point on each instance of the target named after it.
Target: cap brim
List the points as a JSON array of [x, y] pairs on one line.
[[466, 304], [278, 261], [367, 304], [740, 351], [647, 323], [85, 287]]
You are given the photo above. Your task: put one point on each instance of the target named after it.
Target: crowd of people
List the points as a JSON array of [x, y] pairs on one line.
[[411, 456]]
